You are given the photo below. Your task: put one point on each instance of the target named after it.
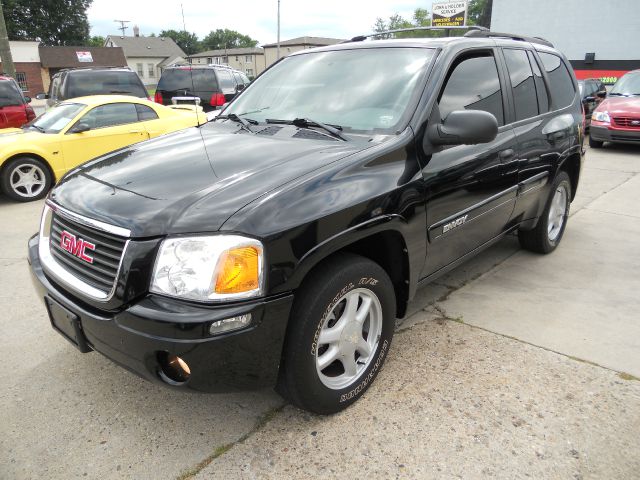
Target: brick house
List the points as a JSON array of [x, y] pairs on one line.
[[26, 59]]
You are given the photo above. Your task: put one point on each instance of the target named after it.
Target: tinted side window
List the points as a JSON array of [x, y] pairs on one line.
[[145, 113], [522, 84], [245, 79], [110, 115], [561, 85], [9, 94], [238, 78], [226, 80], [473, 84], [541, 88]]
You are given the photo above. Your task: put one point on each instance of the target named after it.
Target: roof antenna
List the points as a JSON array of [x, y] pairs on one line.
[[123, 25]]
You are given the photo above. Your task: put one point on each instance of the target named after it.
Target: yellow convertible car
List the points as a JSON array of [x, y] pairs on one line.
[[34, 157]]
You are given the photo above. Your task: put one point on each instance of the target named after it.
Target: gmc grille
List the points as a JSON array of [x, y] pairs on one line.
[[109, 248]]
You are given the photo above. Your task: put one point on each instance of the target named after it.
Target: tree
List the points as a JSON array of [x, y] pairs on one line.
[[53, 22], [479, 13], [95, 41], [188, 42], [221, 39]]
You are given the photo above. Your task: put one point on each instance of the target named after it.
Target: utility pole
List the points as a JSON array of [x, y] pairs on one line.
[[5, 48], [123, 25], [278, 45]]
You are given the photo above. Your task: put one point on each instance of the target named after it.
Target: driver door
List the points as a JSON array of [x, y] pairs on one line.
[[111, 127]]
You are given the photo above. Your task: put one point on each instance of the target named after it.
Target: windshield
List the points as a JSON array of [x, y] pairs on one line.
[[100, 82], [57, 118], [9, 94], [629, 84], [361, 89]]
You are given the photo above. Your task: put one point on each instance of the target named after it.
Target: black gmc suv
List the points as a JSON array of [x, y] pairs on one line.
[[277, 244]]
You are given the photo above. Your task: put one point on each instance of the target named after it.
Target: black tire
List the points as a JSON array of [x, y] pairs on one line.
[[315, 305], [595, 143], [37, 171], [540, 239]]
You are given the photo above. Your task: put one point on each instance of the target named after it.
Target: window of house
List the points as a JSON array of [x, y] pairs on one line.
[[21, 78], [209, 60], [250, 72], [247, 58], [236, 58], [151, 70], [522, 83], [560, 82], [140, 68], [473, 84]]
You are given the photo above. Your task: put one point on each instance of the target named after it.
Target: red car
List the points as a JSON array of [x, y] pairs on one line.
[[617, 118], [15, 110]]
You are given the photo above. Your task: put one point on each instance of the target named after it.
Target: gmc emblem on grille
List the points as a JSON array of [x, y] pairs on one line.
[[76, 246]]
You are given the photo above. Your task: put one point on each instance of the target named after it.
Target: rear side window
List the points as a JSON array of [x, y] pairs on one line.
[[522, 83], [190, 80], [473, 84], [111, 115], [9, 94], [145, 113], [103, 82], [541, 88], [238, 78], [561, 84], [245, 79], [226, 80]]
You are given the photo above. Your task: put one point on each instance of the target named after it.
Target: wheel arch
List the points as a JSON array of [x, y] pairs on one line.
[[572, 166], [28, 154]]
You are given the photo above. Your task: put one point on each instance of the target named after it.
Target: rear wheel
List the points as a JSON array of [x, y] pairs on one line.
[[595, 143], [546, 236], [340, 332], [25, 179]]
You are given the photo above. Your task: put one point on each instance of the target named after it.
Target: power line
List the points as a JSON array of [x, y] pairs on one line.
[[123, 25]]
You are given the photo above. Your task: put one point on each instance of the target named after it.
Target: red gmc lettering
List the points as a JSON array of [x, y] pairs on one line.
[[76, 246]]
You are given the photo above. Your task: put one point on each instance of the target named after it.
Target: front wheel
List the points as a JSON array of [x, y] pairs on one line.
[[546, 236], [595, 143], [25, 179], [340, 332]]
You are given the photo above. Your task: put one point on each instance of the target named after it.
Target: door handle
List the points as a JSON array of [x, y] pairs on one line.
[[135, 131], [504, 154]]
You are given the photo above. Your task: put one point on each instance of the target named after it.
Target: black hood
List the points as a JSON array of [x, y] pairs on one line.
[[195, 179]]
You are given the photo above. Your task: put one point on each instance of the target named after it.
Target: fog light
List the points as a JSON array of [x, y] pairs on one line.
[[174, 368], [230, 324]]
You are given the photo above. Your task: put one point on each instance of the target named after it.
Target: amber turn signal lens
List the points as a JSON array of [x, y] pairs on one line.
[[239, 270]]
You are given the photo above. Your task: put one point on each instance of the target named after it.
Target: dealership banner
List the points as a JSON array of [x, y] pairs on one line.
[[449, 14], [84, 57]]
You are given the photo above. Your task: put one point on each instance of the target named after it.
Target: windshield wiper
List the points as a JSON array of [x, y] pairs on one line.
[[244, 122], [120, 91], [333, 130], [616, 94], [37, 127]]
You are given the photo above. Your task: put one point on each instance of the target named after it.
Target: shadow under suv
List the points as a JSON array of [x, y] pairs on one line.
[[277, 244]]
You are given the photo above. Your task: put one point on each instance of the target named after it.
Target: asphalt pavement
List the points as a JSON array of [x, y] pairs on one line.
[[514, 365]]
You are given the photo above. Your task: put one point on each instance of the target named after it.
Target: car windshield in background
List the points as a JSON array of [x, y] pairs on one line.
[[629, 84], [57, 118], [363, 89], [9, 95], [104, 82], [190, 79]]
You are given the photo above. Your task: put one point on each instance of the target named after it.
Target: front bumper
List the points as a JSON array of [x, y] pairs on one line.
[[605, 134], [136, 335]]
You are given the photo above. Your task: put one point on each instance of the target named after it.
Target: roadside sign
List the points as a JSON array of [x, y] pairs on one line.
[[84, 57], [449, 14]]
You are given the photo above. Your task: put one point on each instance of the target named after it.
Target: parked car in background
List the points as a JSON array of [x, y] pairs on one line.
[[617, 118], [278, 243], [592, 91], [15, 110], [34, 157], [211, 85], [82, 82]]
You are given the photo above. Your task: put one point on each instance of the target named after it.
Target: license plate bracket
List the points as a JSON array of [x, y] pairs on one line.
[[67, 324]]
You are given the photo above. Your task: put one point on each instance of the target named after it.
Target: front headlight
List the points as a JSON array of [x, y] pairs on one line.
[[209, 268], [601, 117]]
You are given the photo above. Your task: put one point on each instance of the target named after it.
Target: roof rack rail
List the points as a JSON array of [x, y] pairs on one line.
[[489, 34], [361, 38]]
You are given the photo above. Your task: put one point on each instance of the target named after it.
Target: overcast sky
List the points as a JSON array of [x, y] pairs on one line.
[[256, 18]]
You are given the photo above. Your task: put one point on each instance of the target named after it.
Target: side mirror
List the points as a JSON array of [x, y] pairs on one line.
[[79, 128], [27, 99], [589, 99], [464, 127], [601, 94], [42, 96]]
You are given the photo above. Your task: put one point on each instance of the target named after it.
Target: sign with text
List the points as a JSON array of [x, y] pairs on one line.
[[84, 57], [449, 14]]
